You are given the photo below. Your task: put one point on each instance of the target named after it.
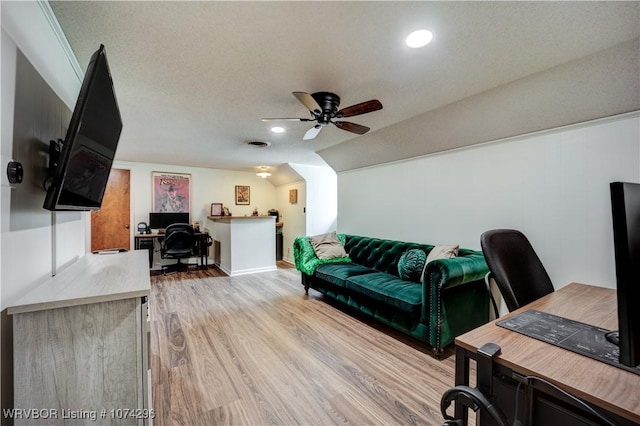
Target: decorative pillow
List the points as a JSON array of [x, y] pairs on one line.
[[327, 246], [410, 265], [442, 252]]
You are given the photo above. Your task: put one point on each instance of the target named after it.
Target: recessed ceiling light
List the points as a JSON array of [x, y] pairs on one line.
[[419, 38], [277, 129]]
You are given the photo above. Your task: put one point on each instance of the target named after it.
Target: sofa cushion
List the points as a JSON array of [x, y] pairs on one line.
[[327, 246], [337, 273], [411, 264], [389, 289]]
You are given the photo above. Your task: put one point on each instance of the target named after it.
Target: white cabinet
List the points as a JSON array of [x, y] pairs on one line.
[[81, 344]]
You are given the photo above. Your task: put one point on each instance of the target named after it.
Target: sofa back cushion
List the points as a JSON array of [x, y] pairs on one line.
[[379, 254]]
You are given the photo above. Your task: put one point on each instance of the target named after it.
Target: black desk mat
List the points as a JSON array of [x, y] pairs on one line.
[[574, 336]]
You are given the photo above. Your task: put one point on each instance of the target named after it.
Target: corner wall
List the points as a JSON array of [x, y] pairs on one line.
[[34, 243], [292, 215], [553, 186]]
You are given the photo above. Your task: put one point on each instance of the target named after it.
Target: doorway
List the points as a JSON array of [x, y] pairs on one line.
[[110, 226]]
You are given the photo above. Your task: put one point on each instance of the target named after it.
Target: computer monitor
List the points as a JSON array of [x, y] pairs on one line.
[[162, 220], [625, 205]]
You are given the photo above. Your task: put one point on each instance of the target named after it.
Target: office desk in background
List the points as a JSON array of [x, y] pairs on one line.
[[614, 391], [148, 242]]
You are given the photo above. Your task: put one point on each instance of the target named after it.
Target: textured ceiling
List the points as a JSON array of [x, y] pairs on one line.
[[193, 79]]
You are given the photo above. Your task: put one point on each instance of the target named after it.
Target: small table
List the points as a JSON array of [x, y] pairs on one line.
[[613, 390]]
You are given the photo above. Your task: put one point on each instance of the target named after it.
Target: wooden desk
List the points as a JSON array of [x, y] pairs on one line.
[[612, 389], [147, 242]]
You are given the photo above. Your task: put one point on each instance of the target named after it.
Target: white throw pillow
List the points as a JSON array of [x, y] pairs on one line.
[[327, 246], [443, 252]]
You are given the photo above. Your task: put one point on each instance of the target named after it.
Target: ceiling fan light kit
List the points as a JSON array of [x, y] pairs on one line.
[[323, 107], [264, 172]]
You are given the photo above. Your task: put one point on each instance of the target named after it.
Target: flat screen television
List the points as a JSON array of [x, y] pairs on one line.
[[162, 220], [625, 206], [79, 167]]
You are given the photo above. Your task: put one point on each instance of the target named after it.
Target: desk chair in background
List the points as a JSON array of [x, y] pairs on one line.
[[515, 267], [179, 243]]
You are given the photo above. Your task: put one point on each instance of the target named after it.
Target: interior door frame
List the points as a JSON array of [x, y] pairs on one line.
[[132, 208]]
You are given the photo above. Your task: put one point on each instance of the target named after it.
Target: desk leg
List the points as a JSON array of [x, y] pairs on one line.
[[462, 378], [146, 243]]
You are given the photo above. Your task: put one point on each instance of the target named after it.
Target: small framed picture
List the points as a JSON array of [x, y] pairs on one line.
[[293, 196], [243, 196], [216, 209]]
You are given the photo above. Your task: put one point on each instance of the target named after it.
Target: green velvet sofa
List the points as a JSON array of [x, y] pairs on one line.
[[451, 299]]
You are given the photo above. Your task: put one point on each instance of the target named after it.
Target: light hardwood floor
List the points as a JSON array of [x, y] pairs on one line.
[[255, 350]]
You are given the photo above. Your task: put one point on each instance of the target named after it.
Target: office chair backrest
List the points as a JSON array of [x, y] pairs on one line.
[[179, 237], [515, 267]]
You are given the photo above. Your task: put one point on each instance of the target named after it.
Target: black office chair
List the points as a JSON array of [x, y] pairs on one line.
[[179, 243], [515, 267]]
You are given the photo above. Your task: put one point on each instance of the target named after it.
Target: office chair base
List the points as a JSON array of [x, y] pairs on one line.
[[176, 267]]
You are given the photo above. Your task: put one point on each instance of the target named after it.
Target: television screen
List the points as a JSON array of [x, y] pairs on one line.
[[79, 176], [625, 203]]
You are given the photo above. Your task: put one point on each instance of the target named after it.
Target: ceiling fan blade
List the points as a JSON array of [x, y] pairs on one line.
[[361, 108], [312, 132], [308, 101], [287, 119], [351, 127]]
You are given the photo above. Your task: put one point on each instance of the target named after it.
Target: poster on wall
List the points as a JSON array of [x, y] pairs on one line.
[[243, 195], [171, 192]]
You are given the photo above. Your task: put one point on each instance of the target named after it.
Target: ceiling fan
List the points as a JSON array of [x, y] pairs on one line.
[[323, 107]]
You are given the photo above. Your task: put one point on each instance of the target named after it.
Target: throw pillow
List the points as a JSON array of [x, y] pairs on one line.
[[327, 246], [443, 252], [410, 265]]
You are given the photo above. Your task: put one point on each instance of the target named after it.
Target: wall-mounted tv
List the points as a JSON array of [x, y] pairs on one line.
[[79, 166]]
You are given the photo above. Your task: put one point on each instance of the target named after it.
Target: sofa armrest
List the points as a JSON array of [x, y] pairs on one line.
[[305, 258], [454, 295], [448, 273]]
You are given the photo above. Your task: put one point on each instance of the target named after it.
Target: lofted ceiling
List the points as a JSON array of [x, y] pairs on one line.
[[194, 79]]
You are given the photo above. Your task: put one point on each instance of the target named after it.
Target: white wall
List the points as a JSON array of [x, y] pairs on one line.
[[292, 215], [207, 186], [321, 200], [32, 253], [553, 186]]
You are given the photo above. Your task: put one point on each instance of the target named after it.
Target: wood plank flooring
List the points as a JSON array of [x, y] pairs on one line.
[[255, 350]]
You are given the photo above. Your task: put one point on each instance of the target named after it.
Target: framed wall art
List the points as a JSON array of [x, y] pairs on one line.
[[171, 192], [293, 196], [243, 197], [216, 209]]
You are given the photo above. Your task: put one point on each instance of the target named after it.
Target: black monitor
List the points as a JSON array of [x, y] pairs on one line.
[[625, 205], [162, 220]]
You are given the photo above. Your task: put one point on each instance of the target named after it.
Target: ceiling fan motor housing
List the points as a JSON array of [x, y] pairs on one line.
[[329, 102]]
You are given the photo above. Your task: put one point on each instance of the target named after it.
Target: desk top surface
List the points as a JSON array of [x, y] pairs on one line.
[[612, 388], [162, 234], [230, 218], [94, 278]]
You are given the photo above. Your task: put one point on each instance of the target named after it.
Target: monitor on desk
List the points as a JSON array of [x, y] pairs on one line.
[[625, 205], [162, 220]]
